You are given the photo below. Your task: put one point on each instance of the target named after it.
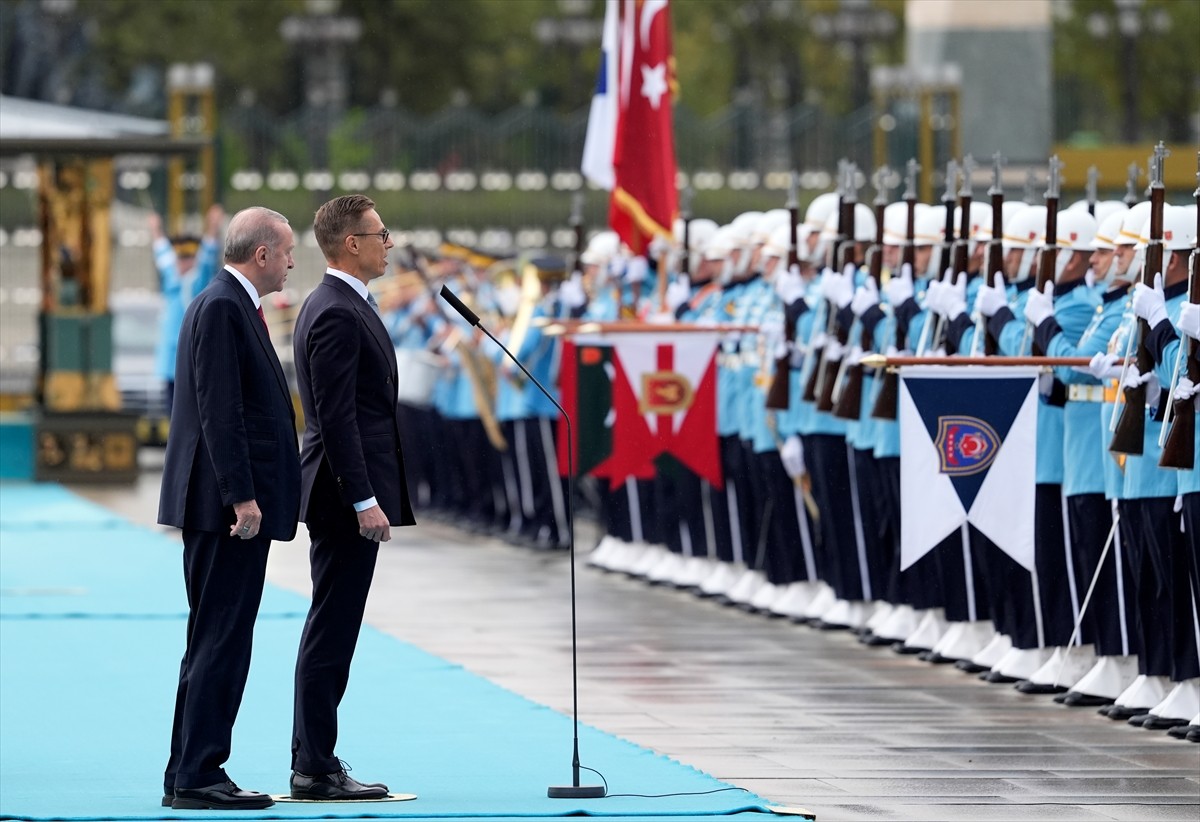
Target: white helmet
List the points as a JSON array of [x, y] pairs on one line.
[[744, 224], [1131, 224], [1179, 231], [895, 223], [864, 224], [720, 243], [930, 225], [980, 222], [770, 221], [1106, 208], [1106, 232], [601, 248], [1075, 230], [819, 209], [1025, 227], [780, 240]]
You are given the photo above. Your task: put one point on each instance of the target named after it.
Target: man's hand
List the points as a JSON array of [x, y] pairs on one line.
[[838, 289], [865, 298], [213, 220], [373, 525], [899, 288], [1189, 320], [954, 296], [789, 285], [1150, 303], [678, 292], [791, 454], [571, 292], [991, 298], [249, 520], [1039, 305]]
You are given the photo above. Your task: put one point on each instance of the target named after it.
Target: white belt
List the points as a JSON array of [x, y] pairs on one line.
[[1085, 393]]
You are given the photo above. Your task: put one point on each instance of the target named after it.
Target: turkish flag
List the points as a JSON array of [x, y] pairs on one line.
[[644, 199]]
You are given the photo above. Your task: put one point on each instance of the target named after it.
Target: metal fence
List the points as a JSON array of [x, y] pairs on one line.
[[527, 138]]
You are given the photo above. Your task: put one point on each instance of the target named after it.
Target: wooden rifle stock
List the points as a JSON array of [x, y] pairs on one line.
[[849, 398], [1129, 434], [888, 395], [1048, 260], [995, 249], [1179, 448], [778, 394], [829, 368]]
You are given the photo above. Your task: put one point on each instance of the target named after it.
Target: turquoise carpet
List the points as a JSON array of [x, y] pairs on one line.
[[91, 631]]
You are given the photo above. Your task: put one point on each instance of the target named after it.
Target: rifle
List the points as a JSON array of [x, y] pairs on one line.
[[1179, 445], [945, 260], [1131, 425], [778, 393], [995, 249], [848, 405], [1131, 197], [814, 355], [1093, 176], [889, 381], [577, 227], [843, 257], [1048, 261], [685, 214]]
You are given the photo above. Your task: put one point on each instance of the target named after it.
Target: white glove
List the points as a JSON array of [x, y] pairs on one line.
[[899, 289], [834, 350], [991, 298], [838, 289], [571, 293], [789, 285], [1040, 304], [636, 270], [1149, 303], [954, 297], [1189, 320], [865, 297], [678, 291], [1134, 378], [1185, 389], [1103, 366], [855, 355], [791, 454], [933, 296]]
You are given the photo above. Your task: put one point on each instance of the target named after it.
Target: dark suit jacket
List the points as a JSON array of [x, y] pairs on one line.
[[233, 427], [346, 369]]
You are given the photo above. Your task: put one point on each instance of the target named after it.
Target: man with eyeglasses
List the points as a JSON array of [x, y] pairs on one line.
[[353, 489]]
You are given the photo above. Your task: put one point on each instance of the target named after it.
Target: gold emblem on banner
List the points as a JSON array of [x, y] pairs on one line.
[[665, 392]]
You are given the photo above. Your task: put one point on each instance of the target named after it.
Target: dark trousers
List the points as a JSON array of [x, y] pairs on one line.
[[829, 464], [343, 564], [546, 521], [1090, 521], [1147, 549], [872, 511], [784, 562], [737, 498], [1054, 566], [224, 578]]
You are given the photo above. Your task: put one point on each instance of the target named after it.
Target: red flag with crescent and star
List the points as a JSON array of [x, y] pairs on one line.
[[644, 200]]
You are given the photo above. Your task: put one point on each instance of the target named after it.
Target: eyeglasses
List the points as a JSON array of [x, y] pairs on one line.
[[382, 235]]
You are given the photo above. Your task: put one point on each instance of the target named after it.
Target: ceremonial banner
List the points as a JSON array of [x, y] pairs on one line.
[[630, 143], [968, 451], [661, 398]]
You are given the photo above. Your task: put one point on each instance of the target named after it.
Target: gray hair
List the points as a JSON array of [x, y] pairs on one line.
[[250, 228]]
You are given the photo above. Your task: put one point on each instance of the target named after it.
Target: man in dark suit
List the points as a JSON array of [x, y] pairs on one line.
[[352, 488], [231, 481]]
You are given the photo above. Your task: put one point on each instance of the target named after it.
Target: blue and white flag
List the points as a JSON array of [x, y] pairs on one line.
[[968, 451], [601, 135]]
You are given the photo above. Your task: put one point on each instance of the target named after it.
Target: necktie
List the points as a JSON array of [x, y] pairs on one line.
[[263, 317], [371, 302]]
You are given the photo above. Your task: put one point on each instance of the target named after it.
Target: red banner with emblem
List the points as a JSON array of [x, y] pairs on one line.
[[660, 398]]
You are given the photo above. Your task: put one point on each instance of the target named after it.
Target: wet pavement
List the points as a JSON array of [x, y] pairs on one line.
[[799, 716]]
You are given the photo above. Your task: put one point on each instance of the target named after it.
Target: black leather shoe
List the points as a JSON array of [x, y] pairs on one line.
[[1181, 731], [337, 786], [224, 796], [1078, 699], [1162, 723], [1193, 735], [168, 798], [1035, 688], [1124, 713]]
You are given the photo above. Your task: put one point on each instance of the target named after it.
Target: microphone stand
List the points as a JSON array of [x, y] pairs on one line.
[[574, 790]]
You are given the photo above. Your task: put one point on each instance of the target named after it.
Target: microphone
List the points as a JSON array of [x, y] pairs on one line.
[[574, 790]]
